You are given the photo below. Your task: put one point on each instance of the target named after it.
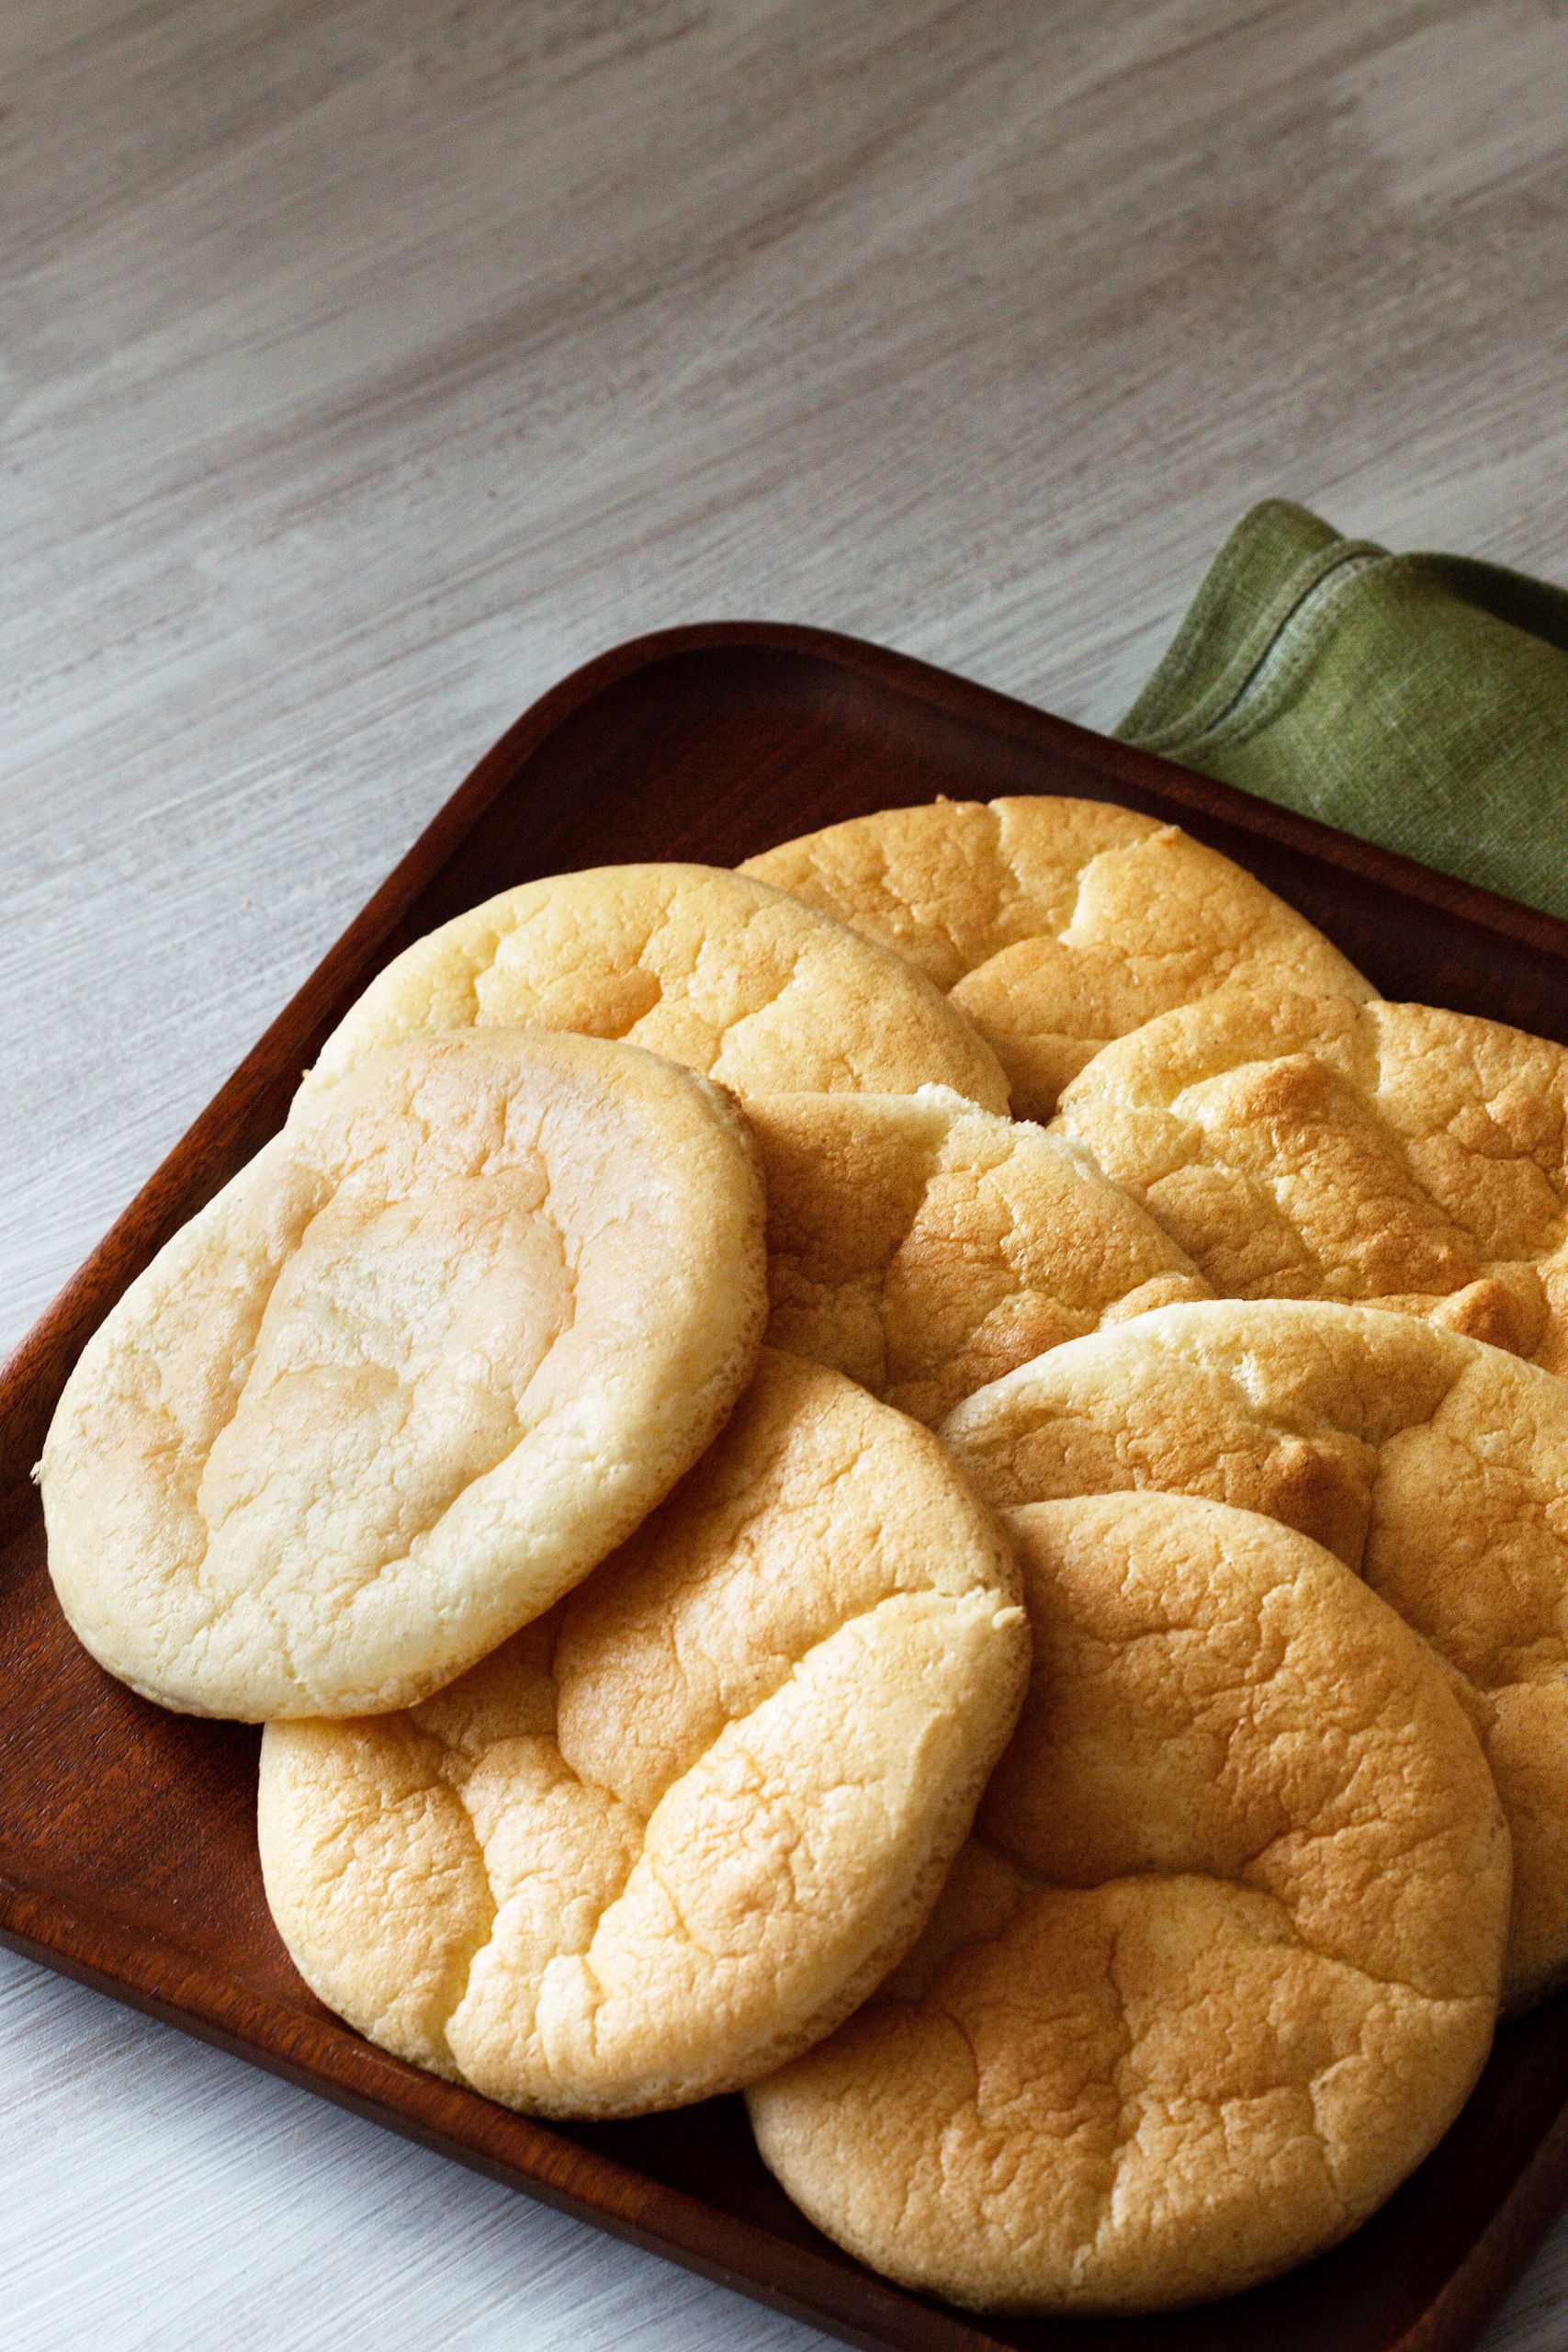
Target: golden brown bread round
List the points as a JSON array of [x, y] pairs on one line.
[[707, 967], [1433, 1465], [1385, 1154], [674, 1832], [1055, 924], [431, 1354], [925, 1247], [1219, 1965]]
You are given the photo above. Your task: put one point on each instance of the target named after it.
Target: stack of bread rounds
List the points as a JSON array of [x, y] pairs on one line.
[[659, 1410]]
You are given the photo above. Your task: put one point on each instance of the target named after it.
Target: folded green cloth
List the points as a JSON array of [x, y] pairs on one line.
[[1416, 700]]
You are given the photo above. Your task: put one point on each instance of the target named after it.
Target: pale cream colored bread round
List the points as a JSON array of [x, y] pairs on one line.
[[732, 979], [1383, 1155], [672, 1834], [925, 1247], [1055, 924], [1435, 1465], [431, 1354], [1219, 1965]]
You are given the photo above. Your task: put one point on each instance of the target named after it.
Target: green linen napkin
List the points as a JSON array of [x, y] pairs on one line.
[[1416, 700]]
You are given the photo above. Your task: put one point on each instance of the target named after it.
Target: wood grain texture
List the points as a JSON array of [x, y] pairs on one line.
[[367, 365]]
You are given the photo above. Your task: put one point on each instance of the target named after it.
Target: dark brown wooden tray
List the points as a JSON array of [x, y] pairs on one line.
[[127, 1846]]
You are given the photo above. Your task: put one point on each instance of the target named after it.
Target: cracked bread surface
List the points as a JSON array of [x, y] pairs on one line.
[[1055, 924], [925, 1247], [1434, 1466], [707, 967], [1379, 1155], [1218, 1966], [435, 1350], [666, 1837]]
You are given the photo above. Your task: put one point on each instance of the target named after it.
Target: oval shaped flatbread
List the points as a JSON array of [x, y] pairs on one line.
[[1382, 1155], [925, 1247], [674, 1832], [1055, 924], [711, 970], [1434, 1466], [1216, 1970], [431, 1354]]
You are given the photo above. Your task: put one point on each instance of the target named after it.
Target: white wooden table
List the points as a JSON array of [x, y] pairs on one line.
[[368, 363]]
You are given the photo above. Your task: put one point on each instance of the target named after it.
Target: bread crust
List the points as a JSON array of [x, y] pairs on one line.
[[432, 1354], [1055, 924], [711, 970], [1220, 1965], [674, 1833], [1433, 1465], [1381, 1155], [925, 1247]]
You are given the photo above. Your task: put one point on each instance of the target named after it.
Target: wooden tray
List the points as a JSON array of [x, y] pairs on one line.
[[127, 1845]]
